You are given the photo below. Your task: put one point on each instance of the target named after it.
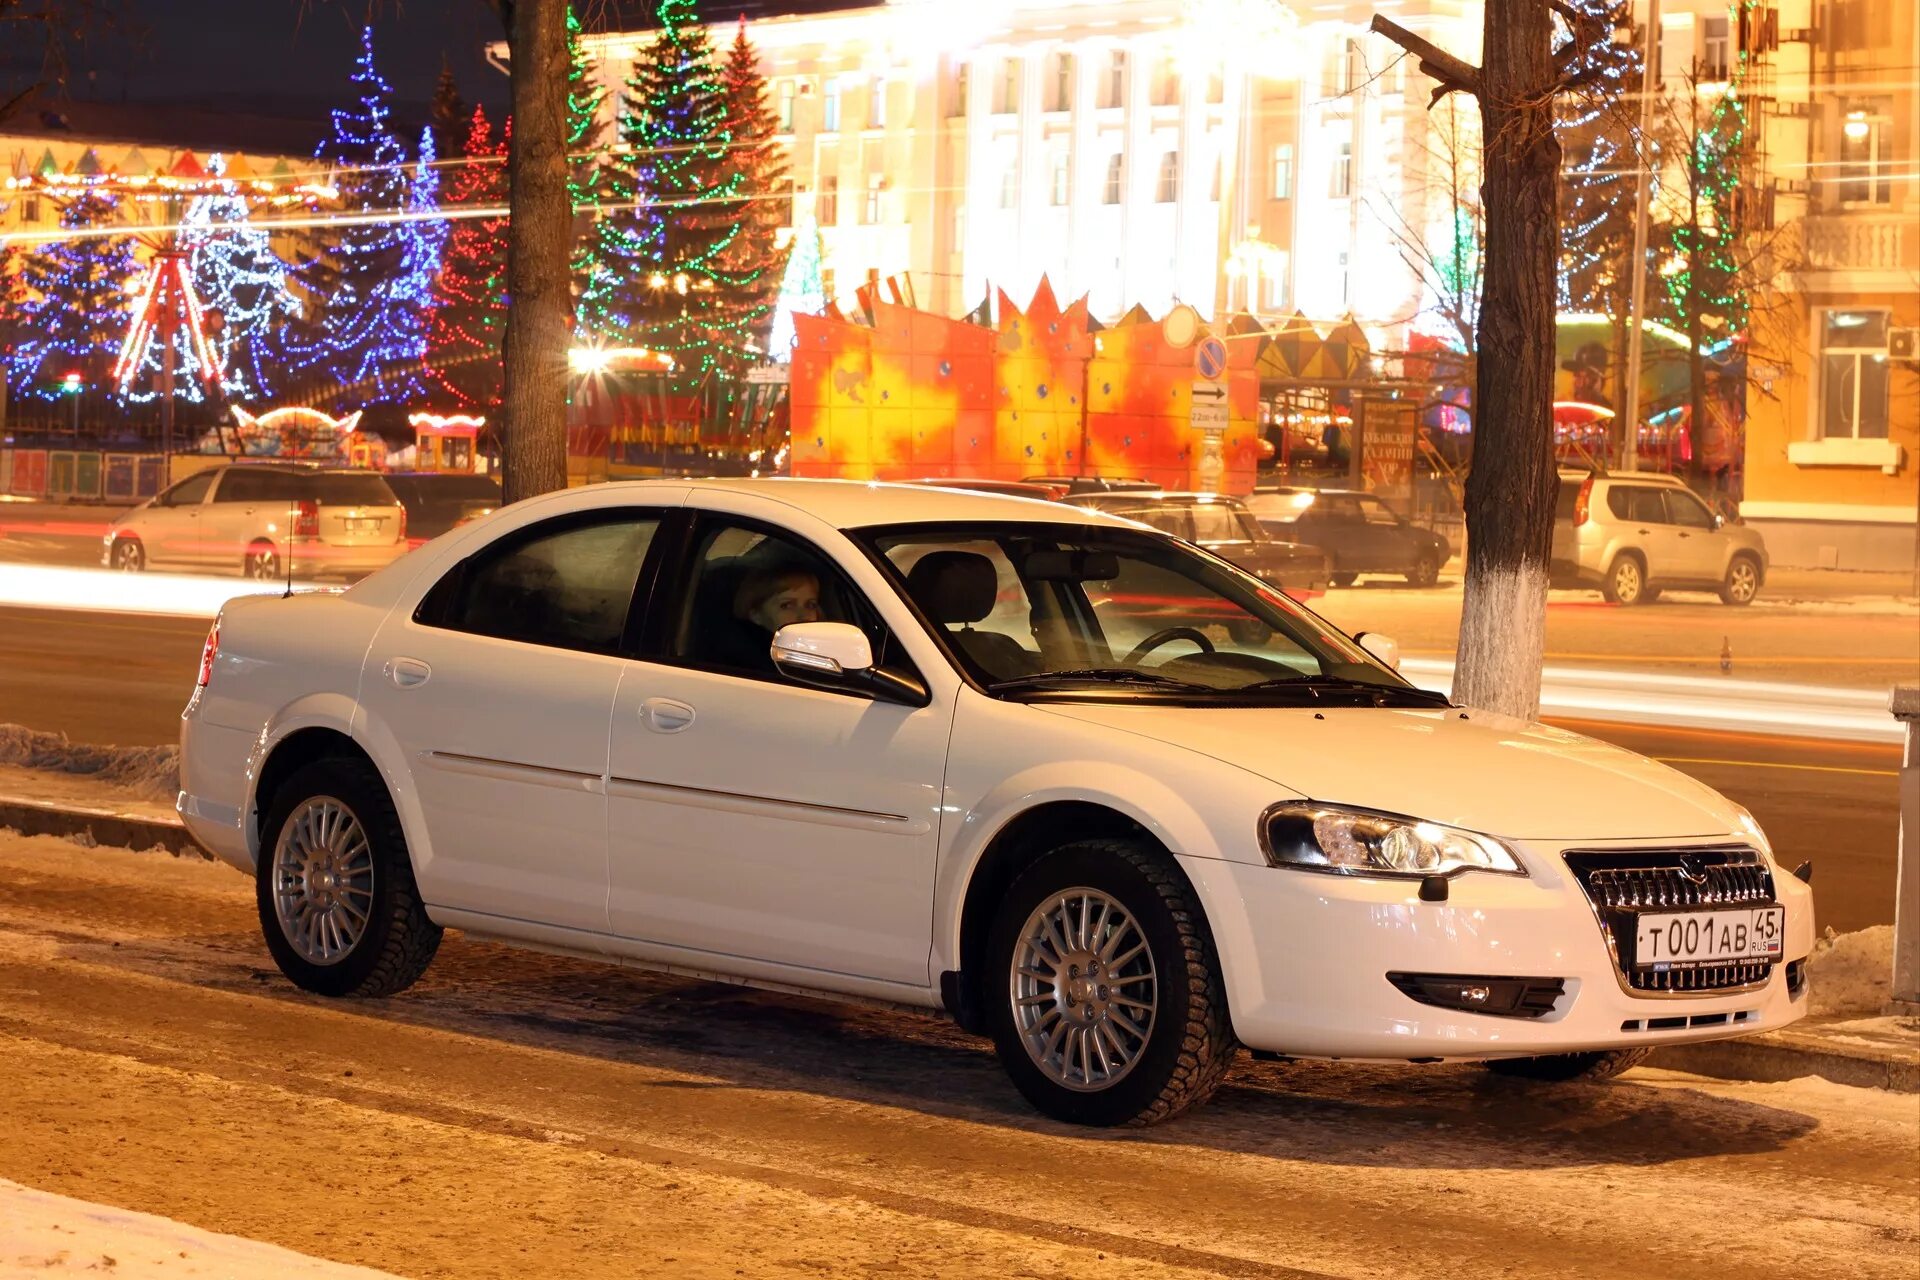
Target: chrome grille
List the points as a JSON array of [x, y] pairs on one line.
[[1619, 884]]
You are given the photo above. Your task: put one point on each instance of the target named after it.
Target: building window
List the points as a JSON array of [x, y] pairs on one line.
[[827, 203], [1006, 90], [1342, 184], [1865, 173], [1167, 190], [1713, 49], [1010, 185], [957, 91], [1166, 82], [1116, 180], [1283, 171], [33, 209], [830, 107], [1113, 93], [1273, 287], [788, 91], [871, 213], [1853, 375], [791, 193], [1060, 180], [1353, 67], [877, 103], [1060, 83]]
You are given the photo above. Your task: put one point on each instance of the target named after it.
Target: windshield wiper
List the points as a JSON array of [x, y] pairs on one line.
[[1313, 683], [1107, 675]]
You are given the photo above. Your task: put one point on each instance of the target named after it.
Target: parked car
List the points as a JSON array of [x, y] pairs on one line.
[[1222, 525], [1070, 485], [436, 501], [913, 746], [265, 519], [1639, 533], [1361, 533]]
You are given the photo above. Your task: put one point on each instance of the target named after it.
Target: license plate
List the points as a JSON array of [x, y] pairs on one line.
[[363, 524], [1690, 939]]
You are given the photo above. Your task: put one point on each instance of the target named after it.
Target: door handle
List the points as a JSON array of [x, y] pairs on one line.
[[408, 673], [664, 715]]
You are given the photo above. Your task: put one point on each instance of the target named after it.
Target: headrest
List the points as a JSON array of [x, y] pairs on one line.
[[954, 586]]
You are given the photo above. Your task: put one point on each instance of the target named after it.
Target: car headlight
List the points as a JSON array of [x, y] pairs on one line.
[[1359, 842], [1752, 829]]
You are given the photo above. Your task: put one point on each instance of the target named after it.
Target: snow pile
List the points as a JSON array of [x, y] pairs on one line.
[[1851, 972], [152, 773], [49, 1235]]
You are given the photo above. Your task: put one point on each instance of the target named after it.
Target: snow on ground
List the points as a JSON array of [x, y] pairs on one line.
[[49, 1235], [149, 772], [1851, 972]]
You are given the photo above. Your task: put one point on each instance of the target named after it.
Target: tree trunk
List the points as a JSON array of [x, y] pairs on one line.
[[539, 241], [1511, 489]]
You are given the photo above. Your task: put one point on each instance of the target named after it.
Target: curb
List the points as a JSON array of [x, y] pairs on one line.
[[102, 826], [1783, 1056]]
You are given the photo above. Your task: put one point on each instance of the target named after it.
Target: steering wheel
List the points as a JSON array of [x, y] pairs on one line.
[[1164, 636]]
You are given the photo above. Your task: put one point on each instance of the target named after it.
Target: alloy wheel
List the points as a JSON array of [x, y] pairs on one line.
[[1742, 582], [128, 557], [1083, 988], [323, 880], [1626, 581], [263, 563]]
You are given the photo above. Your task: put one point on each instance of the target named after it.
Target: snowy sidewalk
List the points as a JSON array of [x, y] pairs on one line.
[[49, 1235]]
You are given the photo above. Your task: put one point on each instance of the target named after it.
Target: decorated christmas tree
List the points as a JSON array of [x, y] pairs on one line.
[[753, 260], [75, 312], [236, 274], [367, 286], [803, 289], [1598, 129], [470, 297]]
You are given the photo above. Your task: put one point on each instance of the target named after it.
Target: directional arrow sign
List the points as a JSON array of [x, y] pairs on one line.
[[1208, 390]]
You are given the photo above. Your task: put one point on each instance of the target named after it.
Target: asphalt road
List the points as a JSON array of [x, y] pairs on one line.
[[517, 1114], [122, 679]]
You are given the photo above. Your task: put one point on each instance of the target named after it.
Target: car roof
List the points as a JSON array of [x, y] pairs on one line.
[[851, 504]]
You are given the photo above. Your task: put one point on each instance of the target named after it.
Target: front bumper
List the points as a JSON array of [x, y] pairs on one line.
[[1306, 958]]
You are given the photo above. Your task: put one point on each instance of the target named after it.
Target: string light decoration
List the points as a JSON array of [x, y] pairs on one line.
[[236, 273], [76, 299], [168, 322], [368, 284], [1705, 283], [803, 288], [469, 314], [658, 275], [754, 258], [584, 99], [1598, 135]]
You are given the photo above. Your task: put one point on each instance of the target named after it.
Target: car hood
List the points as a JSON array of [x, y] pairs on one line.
[[1485, 772]]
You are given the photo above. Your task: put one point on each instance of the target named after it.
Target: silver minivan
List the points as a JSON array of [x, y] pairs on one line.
[[268, 520], [1636, 534]]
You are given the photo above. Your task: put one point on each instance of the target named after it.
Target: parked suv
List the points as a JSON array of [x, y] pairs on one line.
[[1636, 535], [1359, 532], [1222, 525], [264, 519]]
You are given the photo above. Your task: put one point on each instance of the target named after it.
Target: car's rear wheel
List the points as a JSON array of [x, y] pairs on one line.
[[1425, 571], [128, 556], [262, 562], [1343, 579], [1626, 581], [1742, 583], [1560, 1067], [335, 887], [1104, 994]]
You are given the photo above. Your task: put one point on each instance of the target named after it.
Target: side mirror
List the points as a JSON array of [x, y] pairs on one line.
[[837, 655], [1384, 648]]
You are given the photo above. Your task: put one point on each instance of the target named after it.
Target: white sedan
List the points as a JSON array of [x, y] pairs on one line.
[[1090, 790]]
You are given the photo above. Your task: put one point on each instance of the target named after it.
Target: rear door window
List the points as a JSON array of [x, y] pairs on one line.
[[565, 584], [242, 484]]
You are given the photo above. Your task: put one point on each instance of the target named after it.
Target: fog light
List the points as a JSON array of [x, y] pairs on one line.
[[1501, 997]]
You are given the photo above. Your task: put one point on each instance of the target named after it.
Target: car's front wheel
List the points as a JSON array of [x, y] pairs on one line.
[[128, 556], [335, 888], [1559, 1067], [1103, 991]]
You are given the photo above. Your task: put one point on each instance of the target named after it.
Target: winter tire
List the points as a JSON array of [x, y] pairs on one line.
[[1560, 1067], [1742, 583], [1425, 571], [261, 563], [1343, 579], [1103, 991], [128, 556], [335, 888], [1626, 581]]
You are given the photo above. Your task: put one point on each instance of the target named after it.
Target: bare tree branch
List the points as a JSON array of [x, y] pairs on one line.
[[1453, 74]]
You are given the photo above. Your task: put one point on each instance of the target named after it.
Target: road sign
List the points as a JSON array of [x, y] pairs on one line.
[[1209, 408], [1210, 358]]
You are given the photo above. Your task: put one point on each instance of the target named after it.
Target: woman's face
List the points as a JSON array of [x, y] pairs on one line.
[[797, 600]]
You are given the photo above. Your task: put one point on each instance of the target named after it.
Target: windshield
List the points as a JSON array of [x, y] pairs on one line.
[[1040, 610], [353, 489]]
